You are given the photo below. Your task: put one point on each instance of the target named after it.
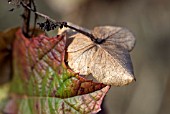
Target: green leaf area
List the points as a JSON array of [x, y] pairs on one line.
[[43, 83]]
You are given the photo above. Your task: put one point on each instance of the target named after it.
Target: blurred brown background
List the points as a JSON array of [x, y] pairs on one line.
[[149, 20]]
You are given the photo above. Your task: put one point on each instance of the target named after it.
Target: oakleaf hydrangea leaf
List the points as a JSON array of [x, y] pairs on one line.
[[44, 84]]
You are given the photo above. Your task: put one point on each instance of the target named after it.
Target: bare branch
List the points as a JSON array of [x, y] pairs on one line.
[[26, 19], [61, 24], [35, 17]]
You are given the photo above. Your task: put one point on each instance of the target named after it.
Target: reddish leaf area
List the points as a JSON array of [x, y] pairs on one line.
[[43, 83], [7, 37], [39, 62]]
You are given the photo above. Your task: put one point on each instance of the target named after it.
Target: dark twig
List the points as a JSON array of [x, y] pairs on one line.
[[35, 17], [26, 19], [59, 24]]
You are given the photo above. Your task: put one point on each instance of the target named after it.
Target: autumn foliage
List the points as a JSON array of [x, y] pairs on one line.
[[43, 83]]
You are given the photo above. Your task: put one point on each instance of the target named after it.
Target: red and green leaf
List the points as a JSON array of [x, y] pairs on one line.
[[43, 83]]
